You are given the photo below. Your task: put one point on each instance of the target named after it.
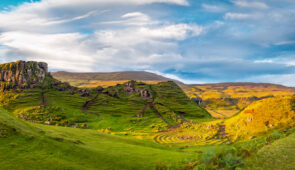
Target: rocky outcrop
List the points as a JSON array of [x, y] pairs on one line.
[[131, 88], [23, 74], [145, 94], [198, 100]]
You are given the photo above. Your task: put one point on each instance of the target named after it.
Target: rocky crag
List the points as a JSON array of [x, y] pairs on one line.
[[23, 74], [32, 74]]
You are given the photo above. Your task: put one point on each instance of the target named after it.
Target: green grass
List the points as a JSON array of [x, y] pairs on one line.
[[278, 155], [34, 146]]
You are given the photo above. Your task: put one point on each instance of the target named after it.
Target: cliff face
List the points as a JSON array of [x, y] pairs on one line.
[[23, 74]]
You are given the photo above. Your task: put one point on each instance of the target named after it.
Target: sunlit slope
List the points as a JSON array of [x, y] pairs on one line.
[[225, 99], [25, 145], [257, 119]]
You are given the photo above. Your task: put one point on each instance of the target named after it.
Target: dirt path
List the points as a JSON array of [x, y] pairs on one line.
[[222, 131], [89, 103], [160, 116], [44, 102], [141, 112], [182, 116]]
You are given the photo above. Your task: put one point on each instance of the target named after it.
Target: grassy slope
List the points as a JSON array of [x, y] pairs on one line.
[[225, 99], [256, 120], [47, 147], [278, 155], [106, 113]]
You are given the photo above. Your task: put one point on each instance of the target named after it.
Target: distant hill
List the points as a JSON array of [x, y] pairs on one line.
[[109, 78]]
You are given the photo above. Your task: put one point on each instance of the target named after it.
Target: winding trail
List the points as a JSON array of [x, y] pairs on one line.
[[160, 116], [44, 102], [141, 112], [89, 103], [182, 116]]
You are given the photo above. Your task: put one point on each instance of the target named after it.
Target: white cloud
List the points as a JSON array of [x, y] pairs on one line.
[[132, 19], [213, 8], [264, 61], [284, 43], [251, 4], [56, 49], [241, 16], [284, 79], [177, 32], [133, 41], [39, 15], [135, 2]]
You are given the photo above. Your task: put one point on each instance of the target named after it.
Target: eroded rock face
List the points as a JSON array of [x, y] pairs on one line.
[[23, 74]]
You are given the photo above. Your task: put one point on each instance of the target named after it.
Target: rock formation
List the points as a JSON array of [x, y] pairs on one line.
[[130, 88], [23, 74]]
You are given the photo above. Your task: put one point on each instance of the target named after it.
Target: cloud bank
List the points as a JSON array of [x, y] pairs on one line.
[[201, 41]]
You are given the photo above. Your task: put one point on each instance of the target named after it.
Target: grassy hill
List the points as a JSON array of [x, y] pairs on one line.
[[107, 79], [118, 109], [226, 99]]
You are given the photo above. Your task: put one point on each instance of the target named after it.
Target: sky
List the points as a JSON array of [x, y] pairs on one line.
[[195, 41]]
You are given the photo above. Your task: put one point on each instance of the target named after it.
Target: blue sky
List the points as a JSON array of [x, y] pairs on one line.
[[196, 41]]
